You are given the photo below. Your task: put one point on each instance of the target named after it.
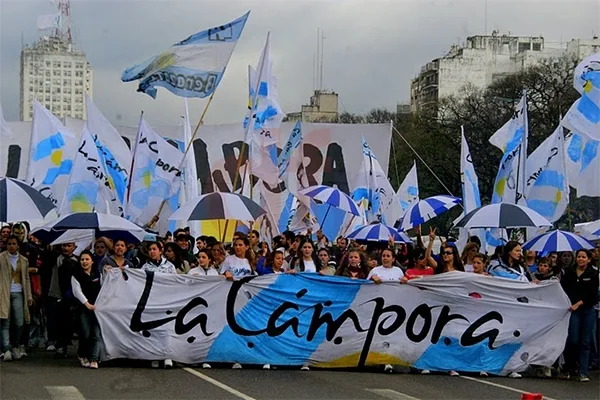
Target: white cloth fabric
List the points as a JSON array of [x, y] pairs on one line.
[[165, 267], [393, 274], [199, 271]]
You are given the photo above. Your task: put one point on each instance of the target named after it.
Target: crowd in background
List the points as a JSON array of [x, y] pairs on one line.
[[48, 292]]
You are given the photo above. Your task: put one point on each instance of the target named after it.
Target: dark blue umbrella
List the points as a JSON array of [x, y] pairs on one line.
[[21, 202]]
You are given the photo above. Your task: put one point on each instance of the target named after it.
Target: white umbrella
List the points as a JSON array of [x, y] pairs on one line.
[[218, 206], [21, 202], [502, 215]]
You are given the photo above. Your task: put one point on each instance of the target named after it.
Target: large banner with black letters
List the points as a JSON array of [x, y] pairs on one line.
[[455, 321]]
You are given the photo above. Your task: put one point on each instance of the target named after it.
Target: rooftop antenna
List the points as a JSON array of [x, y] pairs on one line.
[[318, 79], [321, 73], [486, 18]]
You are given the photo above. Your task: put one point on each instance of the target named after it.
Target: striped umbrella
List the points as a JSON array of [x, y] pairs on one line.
[[21, 202], [333, 197], [502, 215], [378, 233], [218, 206], [426, 209], [558, 241], [589, 228]]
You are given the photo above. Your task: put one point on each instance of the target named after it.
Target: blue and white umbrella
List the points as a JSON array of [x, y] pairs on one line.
[[378, 233], [426, 209], [107, 225], [589, 229], [332, 196], [21, 202], [558, 241]]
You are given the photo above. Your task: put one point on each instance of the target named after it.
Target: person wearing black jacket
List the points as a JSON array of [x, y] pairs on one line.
[[85, 284], [581, 285]]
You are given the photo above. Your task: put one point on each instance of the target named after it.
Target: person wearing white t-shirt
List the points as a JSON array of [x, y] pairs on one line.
[[241, 263], [307, 261], [386, 272]]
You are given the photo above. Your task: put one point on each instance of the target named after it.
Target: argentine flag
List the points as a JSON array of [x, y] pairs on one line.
[[191, 68]]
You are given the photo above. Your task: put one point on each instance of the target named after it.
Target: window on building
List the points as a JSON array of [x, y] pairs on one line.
[[56, 72], [67, 90], [47, 98], [56, 64], [30, 114], [48, 64], [48, 73], [78, 65], [56, 81], [47, 89], [66, 99], [56, 99], [79, 74], [78, 100], [67, 73], [31, 88], [67, 107], [524, 47], [67, 64], [79, 116], [537, 47]]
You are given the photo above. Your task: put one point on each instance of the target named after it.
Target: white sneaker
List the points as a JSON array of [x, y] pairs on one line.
[[23, 351], [548, 372], [16, 354], [7, 356], [305, 367], [515, 375], [483, 374], [206, 366], [425, 372], [237, 366], [267, 366], [84, 362], [51, 348], [388, 368], [155, 364], [454, 373], [168, 363]]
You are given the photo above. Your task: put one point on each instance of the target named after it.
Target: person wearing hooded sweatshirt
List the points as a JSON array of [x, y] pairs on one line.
[[15, 297]]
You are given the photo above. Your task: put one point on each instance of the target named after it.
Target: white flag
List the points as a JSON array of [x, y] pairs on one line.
[[49, 21], [190, 175], [547, 190], [51, 154], [89, 188], [512, 139], [5, 131], [582, 158], [372, 185], [155, 175], [264, 119], [407, 194], [114, 153]]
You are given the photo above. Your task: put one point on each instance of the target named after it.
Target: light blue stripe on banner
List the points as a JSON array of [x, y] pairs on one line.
[[304, 290], [589, 109], [551, 178], [448, 354], [544, 207]]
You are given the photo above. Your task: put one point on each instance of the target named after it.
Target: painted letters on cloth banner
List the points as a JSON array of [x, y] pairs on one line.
[[458, 322]]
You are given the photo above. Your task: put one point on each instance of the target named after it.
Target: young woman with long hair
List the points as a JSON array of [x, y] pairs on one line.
[[306, 260], [450, 260], [117, 259], [421, 265], [386, 272], [242, 263], [356, 266], [274, 264], [581, 285], [85, 285], [205, 264], [511, 264], [218, 254], [467, 255], [328, 266], [174, 254]]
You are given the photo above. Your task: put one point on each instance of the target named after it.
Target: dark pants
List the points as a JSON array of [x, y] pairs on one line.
[[60, 328], [89, 336], [579, 341]]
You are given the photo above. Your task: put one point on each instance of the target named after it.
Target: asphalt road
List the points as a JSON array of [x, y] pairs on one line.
[[40, 376]]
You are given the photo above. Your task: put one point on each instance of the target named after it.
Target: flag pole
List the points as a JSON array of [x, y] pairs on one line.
[[154, 220]]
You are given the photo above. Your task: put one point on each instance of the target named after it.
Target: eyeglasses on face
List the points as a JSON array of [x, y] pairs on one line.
[[448, 253]]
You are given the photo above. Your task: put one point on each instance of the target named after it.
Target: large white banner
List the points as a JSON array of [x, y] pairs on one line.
[[455, 321]]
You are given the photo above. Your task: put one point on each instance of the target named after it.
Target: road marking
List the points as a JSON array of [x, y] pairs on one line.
[[219, 384], [391, 394], [64, 393], [501, 386]]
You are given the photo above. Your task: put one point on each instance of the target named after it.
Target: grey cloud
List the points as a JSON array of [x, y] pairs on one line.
[[372, 48]]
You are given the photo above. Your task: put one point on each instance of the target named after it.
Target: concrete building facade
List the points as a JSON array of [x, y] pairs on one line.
[[57, 75], [323, 107], [483, 60]]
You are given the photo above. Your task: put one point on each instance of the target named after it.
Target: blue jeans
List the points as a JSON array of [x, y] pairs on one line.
[[17, 318], [5, 334], [89, 336], [579, 341]]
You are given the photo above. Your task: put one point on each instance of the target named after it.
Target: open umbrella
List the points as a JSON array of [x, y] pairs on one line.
[[219, 206], [503, 215], [426, 209], [110, 226], [333, 197], [378, 233], [21, 202], [558, 241], [589, 228]]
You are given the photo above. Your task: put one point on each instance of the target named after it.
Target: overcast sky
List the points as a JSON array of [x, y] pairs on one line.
[[372, 48]]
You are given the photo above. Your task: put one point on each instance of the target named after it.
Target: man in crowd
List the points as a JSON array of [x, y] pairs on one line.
[[15, 299], [4, 233]]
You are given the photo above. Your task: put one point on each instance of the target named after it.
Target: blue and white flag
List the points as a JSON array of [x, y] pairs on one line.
[[115, 155], [547, 190], [512, 139], [89, 188], [191, 68], [584, 114], [190, 174], [582, 159], [155, 177], [407, 194], [51, 154], [264, 118], [372, 186]]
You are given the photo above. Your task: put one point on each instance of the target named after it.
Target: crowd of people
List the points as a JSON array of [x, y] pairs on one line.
[[46, 292]]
